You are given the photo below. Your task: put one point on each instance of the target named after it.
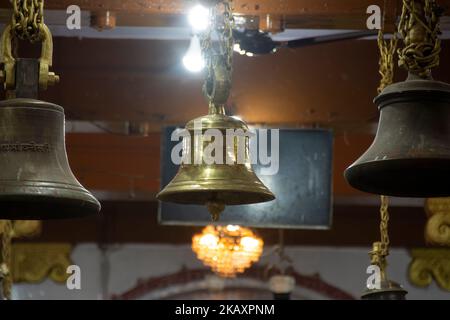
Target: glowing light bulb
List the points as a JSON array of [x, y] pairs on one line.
[[193, 60], [199, 18]]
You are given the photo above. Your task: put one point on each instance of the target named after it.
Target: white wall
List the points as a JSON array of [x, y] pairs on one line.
[[120, 268]]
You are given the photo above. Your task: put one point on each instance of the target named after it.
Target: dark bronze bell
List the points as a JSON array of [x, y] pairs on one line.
[[389, 290], [35, 179], [215, 185], [410, 156]]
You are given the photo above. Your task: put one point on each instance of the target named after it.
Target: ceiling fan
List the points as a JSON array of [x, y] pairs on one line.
[[256, 42]]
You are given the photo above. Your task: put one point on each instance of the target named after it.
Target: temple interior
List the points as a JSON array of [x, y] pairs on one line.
[[225, 150]]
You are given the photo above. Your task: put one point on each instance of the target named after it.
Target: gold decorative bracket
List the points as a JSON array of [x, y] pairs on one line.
[[428, 265], [437, 228], [35, 262]]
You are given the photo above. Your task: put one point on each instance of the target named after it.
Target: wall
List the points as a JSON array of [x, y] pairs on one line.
[[124, 265]]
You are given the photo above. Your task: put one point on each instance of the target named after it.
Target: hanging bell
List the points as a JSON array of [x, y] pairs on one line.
[[216, 185], [386, 289], [35, 180], [410, 156], [223, 176], [389, 290]]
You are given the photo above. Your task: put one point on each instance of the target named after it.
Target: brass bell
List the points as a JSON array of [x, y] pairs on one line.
[[36, 181], [215, 185], [410, 156], [386, 289], [228, 179]]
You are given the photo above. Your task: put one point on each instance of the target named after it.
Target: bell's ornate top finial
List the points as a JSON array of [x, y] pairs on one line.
[[419, 26]]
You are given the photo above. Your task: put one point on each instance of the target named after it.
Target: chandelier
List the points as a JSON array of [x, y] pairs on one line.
[[228, 250]]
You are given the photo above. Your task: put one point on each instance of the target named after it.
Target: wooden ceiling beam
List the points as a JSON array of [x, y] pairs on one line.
[[330, 14], [314, 14], [251, 7]]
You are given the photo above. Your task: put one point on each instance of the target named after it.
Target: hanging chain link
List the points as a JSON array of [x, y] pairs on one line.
[[222, 23], [28, 19], [384, 232], [5, 266], [387, 67], [381, 248], [226, 36], [206, 43], [387, 56], [419, 26]]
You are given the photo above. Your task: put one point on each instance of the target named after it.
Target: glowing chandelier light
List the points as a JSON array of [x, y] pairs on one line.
[[228, 250]]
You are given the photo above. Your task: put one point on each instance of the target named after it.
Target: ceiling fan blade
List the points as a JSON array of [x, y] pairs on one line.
[[328, 38]]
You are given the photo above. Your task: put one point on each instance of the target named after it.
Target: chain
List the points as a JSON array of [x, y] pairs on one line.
[[384, 225], [6, 259], [419, 26], [387, 56], [28, 19], [207, 45], [222, 22], [226, 36], [387, 67]]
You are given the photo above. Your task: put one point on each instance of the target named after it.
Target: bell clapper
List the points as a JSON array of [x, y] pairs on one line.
[[215, 209]]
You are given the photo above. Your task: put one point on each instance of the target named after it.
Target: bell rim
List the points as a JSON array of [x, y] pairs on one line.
[[47, 207], [263, 195], [386, 286], [71, 201], [30, 103], [349, 175]]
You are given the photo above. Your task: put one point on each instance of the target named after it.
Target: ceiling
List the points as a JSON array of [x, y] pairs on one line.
[[134, 72]]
